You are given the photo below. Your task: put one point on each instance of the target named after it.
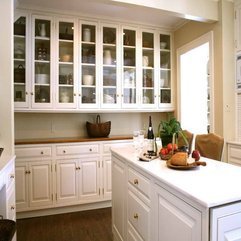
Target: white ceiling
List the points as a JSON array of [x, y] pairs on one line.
[[109, 10]]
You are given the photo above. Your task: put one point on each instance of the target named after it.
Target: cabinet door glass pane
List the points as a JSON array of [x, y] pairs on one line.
[[109, 66], [148, 68], [19, 60], [88, 64], [66, 64], [165, 69], [42, 61], [129, 70]]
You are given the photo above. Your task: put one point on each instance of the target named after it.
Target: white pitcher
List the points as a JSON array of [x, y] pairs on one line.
[[42, 29]]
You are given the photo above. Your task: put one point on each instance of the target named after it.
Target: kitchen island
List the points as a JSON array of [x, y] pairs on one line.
[[153, 202]]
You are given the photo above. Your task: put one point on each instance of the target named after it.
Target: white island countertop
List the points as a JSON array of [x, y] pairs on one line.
[[212, 185]]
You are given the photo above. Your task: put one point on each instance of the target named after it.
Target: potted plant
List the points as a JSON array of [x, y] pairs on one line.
[[168, 130]]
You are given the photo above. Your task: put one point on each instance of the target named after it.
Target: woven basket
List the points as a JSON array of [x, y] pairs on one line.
[[98, 129]]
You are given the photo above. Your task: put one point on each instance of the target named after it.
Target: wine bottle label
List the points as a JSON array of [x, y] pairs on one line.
[[150, 145]]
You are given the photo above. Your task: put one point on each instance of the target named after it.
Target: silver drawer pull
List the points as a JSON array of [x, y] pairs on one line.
[[12, 207], [90, 149], [136, 181], [135, 215], [12, 176]]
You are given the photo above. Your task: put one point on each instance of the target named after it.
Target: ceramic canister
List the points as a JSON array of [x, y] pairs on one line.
[[87, 35], [107, 57]]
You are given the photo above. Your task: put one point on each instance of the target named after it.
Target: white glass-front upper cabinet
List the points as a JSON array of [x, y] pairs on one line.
[[165, 85], [42, 82], [88, 77], [21, 62], [129, 71], [110, 81], [66, 74], [148, 94]]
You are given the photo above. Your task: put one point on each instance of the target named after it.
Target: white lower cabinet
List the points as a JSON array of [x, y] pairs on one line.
[[118, 200], [34, 186], [78, 179], [145, 209], [176, 220], [55, 175], [225, 224]]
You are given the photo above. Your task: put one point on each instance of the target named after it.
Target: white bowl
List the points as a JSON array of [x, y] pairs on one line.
[[163, 45], [42, 79], [108, 99], [88, 79]]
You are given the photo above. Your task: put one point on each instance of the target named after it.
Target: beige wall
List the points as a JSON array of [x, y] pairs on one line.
[[40, 125], [6, 80], [224, 111]]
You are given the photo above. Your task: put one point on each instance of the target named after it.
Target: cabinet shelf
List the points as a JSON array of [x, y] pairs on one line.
[[20, 84], [109, 45], [66, 63], [88, 86], [165, 50], [19, 36], [129, 47], [19, 60], [66, 41], [88, 43], [66, 85], [36, 84], [42, 61], [42, 38]]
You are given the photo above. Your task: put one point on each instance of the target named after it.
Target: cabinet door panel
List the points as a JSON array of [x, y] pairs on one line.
[[225, 223], [89, 179], [107, 177], [67, 181], [118, 200], [21, 185], [40, 184], [173, 212]]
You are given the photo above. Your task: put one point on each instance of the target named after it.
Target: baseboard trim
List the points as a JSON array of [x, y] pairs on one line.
[[60, 210]]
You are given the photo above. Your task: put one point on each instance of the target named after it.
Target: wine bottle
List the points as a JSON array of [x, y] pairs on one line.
[[150, 138]]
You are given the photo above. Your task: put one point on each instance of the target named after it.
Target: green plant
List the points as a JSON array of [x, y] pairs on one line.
[[167, 129]]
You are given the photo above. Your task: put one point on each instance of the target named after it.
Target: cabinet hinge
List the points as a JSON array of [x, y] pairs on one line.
[[52, 197], [103, 191], [55, 167], [99, 191], [56, 196], [99, 164], [235, 14]]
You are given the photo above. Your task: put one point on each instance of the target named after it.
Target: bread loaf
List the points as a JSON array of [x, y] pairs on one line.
[[179, 159]]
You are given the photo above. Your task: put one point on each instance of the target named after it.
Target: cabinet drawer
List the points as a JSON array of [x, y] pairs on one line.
[[77, 149], [108, 146], [139, 181], [234, 155], [139, 216], [41, 151]]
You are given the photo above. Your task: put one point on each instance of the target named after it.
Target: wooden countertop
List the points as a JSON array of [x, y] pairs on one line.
[[68, 139]]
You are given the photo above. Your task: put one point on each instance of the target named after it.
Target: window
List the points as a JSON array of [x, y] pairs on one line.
[[194, 82]]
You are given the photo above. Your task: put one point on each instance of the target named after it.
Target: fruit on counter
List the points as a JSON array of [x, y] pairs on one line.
[[196, 155], [166, 150]]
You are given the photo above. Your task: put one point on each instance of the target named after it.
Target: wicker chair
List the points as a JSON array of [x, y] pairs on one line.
[[210, 145]]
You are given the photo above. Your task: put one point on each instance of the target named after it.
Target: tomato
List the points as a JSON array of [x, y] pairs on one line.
[[169, 146], [163, 151]]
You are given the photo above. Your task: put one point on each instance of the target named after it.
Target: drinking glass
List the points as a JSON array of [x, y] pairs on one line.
[[136, 142]]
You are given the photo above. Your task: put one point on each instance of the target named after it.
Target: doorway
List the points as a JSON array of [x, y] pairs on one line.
[[195, 85]]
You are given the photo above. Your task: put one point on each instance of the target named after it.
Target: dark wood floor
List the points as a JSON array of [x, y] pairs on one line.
[[93, 225]]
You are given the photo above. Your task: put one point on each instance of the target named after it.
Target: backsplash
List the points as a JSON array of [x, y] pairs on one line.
[[51, 125]]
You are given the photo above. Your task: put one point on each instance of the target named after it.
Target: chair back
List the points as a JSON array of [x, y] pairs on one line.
[[189, 137], [210, 145]]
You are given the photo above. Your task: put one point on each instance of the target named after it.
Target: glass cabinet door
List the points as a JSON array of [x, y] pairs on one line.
[[88, 66], [42, 65], [129, 84], [20, 83], [65, 83], [109, 71], [148, 90], [165, 69]]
